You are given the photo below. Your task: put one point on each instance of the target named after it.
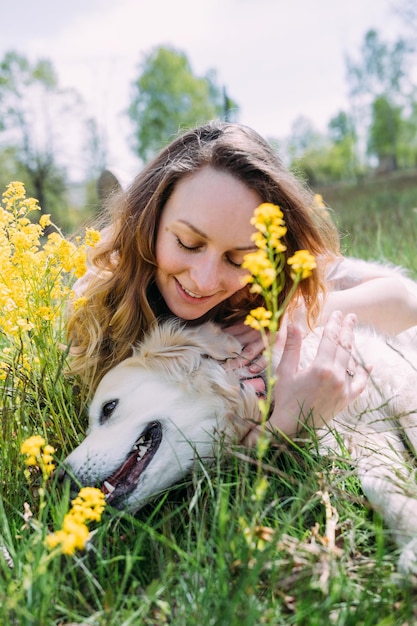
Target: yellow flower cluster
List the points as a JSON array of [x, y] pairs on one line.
[[38, 454], [33, 281], [302, 264], [88, 506], [266, 265], [262, 272], [270, 228], [268, 219], [259, 318]]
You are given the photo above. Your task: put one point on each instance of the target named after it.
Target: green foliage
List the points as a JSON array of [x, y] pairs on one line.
[[381, 124], [168, 97], [40, 124], [380, 95], [385, 129], [328, 162]]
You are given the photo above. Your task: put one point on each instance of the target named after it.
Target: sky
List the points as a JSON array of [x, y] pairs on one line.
[[278, 59]]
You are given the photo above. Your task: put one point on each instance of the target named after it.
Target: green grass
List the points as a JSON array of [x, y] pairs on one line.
[[378, 218], [196, 555]]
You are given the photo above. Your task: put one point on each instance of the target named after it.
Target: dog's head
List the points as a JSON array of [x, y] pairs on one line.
[[158, 411]]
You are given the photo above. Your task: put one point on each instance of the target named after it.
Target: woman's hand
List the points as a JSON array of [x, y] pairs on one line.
[[251, 357], [321, 390]]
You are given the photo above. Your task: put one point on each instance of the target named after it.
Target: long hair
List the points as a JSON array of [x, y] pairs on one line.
[[121, 298]]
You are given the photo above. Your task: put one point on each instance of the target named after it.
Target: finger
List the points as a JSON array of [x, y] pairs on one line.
[[346, 339], [337, 336], [359, 380], [252, 351], [257, 365], [290, 358]]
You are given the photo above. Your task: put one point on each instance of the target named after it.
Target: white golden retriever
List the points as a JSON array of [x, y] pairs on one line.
[[173, 401]]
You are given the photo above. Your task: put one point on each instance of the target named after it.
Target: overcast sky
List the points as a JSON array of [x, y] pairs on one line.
[[278, 59]]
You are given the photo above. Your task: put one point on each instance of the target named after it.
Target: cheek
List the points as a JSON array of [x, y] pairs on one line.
[[167, 255], [162, 251], [234, 283]]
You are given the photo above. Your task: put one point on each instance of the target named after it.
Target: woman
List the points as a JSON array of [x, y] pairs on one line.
[[174, 245]]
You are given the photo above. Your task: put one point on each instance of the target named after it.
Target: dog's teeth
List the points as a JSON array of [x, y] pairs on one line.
[[142, 451], [138, 443], [108, 486]]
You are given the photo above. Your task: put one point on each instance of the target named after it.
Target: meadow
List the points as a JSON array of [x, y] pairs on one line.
[[284, 539]]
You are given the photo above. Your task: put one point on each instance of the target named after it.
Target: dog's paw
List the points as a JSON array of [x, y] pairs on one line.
[[407, 562]]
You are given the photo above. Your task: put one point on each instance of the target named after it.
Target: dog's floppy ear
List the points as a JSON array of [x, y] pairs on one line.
[[172, 338], [215, 343]]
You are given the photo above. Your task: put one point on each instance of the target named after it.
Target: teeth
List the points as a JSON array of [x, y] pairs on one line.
[[138, 443], [142, 451], [108, 486], [190, 293]]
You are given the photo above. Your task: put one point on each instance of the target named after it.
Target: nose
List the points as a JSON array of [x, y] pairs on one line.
[[206, 275]]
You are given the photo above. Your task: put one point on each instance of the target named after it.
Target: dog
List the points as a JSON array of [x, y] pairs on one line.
[[173, 402]]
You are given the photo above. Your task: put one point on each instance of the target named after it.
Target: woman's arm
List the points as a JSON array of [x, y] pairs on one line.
[[383, 302]]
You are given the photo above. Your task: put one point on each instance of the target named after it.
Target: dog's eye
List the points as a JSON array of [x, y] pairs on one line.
[[107, 410]]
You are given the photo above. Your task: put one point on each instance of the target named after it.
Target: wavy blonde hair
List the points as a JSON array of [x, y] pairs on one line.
[[121, 298]]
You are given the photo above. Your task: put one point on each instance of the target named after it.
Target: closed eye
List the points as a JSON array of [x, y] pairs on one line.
[[184, 247], [107, 410], [197, 248]]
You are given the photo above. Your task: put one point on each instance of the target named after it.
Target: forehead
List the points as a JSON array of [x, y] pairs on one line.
[[209, 196]]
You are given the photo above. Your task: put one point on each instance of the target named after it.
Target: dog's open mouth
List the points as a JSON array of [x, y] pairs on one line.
[[117, 486]]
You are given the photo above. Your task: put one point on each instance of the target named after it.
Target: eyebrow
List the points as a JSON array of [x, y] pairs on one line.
[[204, 236]]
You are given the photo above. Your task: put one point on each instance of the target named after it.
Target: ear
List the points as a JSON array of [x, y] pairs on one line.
[[215, 343], [172, 339]]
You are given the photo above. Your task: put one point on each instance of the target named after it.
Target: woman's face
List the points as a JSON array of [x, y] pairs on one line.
[[203, 235]]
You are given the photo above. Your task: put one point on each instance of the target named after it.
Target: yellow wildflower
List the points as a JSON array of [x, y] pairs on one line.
[[88, 506], [92, 237], [90, 503], [33, 445], [265, 215], [73, 536], [45, 220], [258, 318], [260, 267], [79, 302], [302, 264], [38, 454]]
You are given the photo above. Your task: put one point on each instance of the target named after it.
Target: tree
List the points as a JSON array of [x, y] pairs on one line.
[[384, 132], [378, 83], [40, 126], [343, 137], [168, 97]]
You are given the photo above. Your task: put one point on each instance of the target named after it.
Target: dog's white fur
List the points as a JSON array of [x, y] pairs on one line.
[[175, 378]]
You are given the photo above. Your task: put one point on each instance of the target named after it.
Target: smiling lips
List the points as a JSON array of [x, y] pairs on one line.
[[191, 294]]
